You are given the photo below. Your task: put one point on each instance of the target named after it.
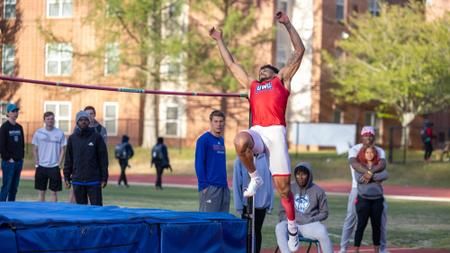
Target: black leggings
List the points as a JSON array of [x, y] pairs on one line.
[[366, 208], [123, 166], [428, 150], [260, 214]]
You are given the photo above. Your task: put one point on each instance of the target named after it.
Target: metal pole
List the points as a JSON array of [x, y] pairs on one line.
[[126, 89]]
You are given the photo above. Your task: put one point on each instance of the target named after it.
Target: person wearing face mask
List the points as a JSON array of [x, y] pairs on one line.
[[86, 163]]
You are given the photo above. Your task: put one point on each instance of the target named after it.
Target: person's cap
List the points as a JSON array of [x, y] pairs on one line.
[[11, 107], [81, 114], [367, 130]]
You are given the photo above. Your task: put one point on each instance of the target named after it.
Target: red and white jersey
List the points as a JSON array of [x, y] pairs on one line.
[[268, 101]]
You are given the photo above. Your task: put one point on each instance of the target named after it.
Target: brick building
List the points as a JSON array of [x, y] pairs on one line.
[[29, 53]]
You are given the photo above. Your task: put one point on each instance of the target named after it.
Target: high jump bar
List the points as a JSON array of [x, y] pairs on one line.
[[129, 90]]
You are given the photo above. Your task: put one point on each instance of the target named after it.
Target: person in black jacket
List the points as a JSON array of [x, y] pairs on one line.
[[160, 158], [12, 150], [86, 163], [124, 152]]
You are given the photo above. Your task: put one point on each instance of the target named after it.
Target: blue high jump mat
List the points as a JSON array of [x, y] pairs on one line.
[[64, 227]]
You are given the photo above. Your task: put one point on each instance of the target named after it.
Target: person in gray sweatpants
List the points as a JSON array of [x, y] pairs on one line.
[[367, 139], [311, 209]]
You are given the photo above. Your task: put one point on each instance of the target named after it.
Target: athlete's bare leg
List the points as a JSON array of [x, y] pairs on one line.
[[243, 144]]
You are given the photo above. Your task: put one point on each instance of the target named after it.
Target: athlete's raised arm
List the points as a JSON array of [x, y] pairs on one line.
[[292, 65], [236, 69]]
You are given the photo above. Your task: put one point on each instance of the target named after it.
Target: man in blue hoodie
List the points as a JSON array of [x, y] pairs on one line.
[[210, 167], [311, 208]]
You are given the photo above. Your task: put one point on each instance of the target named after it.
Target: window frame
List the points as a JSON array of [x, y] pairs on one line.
[[8, 60], [58, 116], [3, 116], [9, 2], [115, 120], [59, 60], [374, 7], [111, 57], [173, 121], [60, 9], [341, 10]]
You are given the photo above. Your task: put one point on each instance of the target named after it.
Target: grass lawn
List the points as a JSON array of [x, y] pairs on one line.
[[413, 224]]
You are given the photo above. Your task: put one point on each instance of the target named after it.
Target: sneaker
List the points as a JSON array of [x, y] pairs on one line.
[[255, 183], [293, 242]]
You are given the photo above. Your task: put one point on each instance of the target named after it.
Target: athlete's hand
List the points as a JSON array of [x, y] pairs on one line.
[[104, 184], [215, 34], [282, 17], [68, 184]]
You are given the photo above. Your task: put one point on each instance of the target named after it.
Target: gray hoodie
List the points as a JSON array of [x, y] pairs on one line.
[[373, 189], [310, 201]]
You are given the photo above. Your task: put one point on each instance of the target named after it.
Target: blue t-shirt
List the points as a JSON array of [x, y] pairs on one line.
[[210, 161]]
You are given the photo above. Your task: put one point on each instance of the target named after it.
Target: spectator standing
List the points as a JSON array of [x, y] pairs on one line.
[[98, 128], [93, 123], [311, 209], [86, 163], [264, 194], [12, 150], [369, 203], [160, 158], [427, 139], [367, 139], [124, 152], [210, 167], [48, 150]]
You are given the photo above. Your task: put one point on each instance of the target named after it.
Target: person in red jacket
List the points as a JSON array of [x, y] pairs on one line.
[[268, 101]]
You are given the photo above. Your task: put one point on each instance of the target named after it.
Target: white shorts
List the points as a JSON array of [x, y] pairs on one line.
[[272, 141]]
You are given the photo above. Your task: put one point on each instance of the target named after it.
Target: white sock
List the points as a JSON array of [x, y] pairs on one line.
[[254, 174], [292, 226]]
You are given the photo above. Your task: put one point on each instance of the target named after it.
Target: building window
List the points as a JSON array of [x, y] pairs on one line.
[[8, 56], [370, 119], [340, 10], [374, 7], [112, 58], [3, 111], [338, 116], [58, 59], [59, 8], [172, 121], [110, 117], [62, 111], [9, 10]]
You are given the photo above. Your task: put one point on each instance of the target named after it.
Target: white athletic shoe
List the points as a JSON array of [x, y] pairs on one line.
[[293, 241], [255, 183]]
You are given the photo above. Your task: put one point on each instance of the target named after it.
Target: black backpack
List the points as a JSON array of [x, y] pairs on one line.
[[121, 151], [157, 153]]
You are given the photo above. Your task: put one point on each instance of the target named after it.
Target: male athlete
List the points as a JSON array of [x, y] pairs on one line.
[[268, 101]]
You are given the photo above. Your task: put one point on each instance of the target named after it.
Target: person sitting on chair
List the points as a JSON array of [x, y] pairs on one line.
[[311, 208]]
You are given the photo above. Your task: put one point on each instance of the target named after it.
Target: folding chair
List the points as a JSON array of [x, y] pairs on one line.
[[308, 241]]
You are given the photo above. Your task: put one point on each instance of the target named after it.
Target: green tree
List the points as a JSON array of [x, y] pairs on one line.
[[397, 61], [150, 33], [142, 35], [237, 19]]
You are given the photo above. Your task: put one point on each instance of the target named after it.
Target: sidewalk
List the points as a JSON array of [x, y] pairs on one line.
[[331, 187]]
